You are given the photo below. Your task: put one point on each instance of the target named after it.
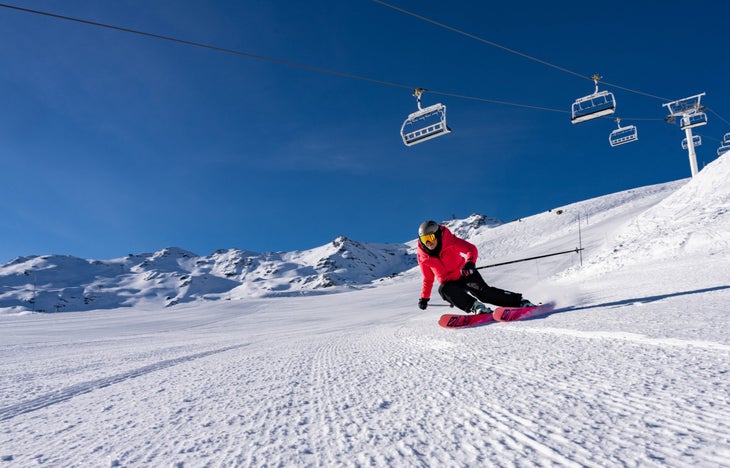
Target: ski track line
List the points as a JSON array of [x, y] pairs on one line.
[[68, 393], [309, 383], [704, 425], [619, 409], [328, 403], [274, 391], [519, 429], [651, 403], [518, 433], [627, 400], [627, 336], [365, 415], [514, 433], [692, 426], [505, 422], [338, 404]]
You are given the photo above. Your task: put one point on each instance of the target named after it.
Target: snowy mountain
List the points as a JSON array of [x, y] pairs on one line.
[[630, 368], [171, 276], [55, 283]]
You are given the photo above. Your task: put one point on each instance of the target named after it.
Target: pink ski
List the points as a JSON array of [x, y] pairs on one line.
[[463, 321], [500, 314], [510, 314]]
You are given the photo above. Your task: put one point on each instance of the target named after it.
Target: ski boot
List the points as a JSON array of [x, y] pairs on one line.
[[479, 308]]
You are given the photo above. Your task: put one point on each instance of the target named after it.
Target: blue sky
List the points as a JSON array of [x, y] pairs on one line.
[[112, 143]]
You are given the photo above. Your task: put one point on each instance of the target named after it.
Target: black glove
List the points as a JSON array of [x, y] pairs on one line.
[[468, 269], [423, 303]]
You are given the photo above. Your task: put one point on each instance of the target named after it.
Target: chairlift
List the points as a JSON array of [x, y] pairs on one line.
[[692, 120], [692, 115], [623, 134], [723, 149], [425, 123], [726, 139], [696, 141], [685, 105], [593, 106]]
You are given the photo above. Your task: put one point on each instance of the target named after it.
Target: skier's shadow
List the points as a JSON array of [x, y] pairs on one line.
[[639, 300]]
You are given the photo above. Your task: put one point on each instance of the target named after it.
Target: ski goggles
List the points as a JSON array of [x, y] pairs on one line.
[[428, 238]]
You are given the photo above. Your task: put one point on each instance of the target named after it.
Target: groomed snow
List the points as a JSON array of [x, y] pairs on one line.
[[631, 369]]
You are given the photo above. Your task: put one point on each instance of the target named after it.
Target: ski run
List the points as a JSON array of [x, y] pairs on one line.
[[630, 369]]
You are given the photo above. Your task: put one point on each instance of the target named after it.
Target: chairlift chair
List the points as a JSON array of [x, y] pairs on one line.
[[726, 139], [696, 141], [692, 120], [623, 134], [593, 106], [723, 149], [425, 123]]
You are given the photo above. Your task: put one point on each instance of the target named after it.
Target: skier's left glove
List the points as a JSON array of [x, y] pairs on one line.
[[423, 303], [468, 269]]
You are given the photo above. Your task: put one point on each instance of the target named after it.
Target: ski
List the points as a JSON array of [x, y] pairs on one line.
[[500, 314], [509, 314], [463, 321]]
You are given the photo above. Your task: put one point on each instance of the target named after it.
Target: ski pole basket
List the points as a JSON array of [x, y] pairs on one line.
[[425, 123]]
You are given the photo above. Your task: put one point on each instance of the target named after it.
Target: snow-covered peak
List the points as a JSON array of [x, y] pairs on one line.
[[168, 259], [174, 275], [466, 228]]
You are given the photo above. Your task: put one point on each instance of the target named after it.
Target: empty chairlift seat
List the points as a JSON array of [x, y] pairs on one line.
[[595, 105], [623, 135], [692, 120], [724, 146], [424, 124], [696, 141]]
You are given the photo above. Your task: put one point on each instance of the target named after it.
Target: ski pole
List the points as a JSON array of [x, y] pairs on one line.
[[576, 250]]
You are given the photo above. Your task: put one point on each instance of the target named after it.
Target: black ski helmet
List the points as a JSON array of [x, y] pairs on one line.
[[428, 227]]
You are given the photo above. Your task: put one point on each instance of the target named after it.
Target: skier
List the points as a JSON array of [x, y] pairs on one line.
[[451, 260]]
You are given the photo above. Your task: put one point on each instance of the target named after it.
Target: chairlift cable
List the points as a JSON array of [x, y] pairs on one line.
[[636, 91], [345, 74], [492, 101], [265, 58], [513, 51], [351, 75], [206, 46], [472, 36], [718, 115], [646, 119]]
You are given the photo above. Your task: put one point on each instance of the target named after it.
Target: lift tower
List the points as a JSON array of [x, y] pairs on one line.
[[691, 115]]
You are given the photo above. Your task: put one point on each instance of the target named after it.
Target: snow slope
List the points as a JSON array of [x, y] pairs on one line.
[[631, 369]]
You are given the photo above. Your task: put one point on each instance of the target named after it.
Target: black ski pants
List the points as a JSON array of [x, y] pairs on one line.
[[461, 293]]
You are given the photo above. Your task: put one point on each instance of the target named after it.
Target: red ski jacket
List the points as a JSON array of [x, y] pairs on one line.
[[446, 265]]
